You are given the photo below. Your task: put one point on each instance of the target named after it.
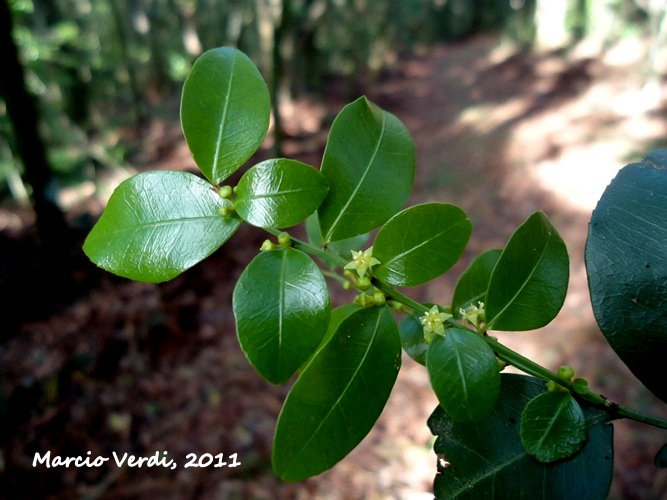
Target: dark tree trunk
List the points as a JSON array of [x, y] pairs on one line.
[[22, 113]]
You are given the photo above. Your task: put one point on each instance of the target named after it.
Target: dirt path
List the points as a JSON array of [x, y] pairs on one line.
[[141, 368]]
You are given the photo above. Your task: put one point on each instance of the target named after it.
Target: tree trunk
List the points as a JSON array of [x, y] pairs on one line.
[[22, 113]]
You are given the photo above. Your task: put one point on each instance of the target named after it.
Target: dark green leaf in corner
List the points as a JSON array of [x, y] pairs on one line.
[[553, 426], [626, 262], [281, 306], [279, 193], [339, 395], [529, 282], [464, 374], [369, 163], [420, 243], [474, 281], [661, 458], [225, 110], [158, 224], [486, 459]]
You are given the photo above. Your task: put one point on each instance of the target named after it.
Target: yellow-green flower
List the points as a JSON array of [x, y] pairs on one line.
[[434, 323], [474, 314], [362, 261]]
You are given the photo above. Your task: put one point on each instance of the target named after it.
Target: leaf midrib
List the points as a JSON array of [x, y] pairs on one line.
[[221, 126]]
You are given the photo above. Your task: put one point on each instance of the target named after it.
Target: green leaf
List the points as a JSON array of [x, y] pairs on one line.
[[341, 247], [281, 306], [474, 281], [553, 426], [529, 283], [626, 262], [487, 460], [464, 374], [158, 224], [412, 337], [225, 110], [420, 243], [279, 193], [339, 395], [369, 163], [661, 458]]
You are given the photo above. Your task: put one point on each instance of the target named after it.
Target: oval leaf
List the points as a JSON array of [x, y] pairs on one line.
[[412, 337], [529, 283], [553, 426], [281, 306], [279, 193], [158, 224], [421, 243], [626, 262], [474, 281], [369, 163], [487, 460], [339, 396], [464, 374], [225, 110]]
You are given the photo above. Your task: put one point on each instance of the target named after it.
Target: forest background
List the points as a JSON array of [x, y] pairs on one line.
[[514, 106]]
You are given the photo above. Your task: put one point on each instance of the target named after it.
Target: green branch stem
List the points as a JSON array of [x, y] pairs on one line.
[[503, 352]]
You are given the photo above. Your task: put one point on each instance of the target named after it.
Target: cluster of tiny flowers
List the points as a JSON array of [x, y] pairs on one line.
[[362, 261], [474, 314], [434, 323]]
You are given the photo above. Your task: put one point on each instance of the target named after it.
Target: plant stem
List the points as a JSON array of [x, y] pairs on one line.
[[504, 353]]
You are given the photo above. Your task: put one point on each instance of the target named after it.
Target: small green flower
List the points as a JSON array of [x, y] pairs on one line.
[[362, 261], [474, 314], [434, 323]]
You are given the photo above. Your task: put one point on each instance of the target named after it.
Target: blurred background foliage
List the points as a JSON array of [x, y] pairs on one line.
[[100, 66]]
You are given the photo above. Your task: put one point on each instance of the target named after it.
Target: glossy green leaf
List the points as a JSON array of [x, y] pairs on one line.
[[486, 459], [279, 193], [339, 395], [626, 262], [369, 163], [341, 247], [225, 110], [420, 243], [412, 338], [158, 224], [661, 458], [464, 374], [529, 283], [281, 306], [553, 426], [474, 281]]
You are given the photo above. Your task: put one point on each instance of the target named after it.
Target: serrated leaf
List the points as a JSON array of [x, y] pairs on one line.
[[529, 282], [420, 243], [553, 426], [474, 281], [464, 374], [487, 460], [225, 109], [339, 396], [158, 224], [369, 163], [281, 305], [279, 193], [626, 262]]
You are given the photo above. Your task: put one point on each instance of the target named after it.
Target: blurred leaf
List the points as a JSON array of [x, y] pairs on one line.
[[486, 459], [225, 111], [339, 395], [279, 193], [626, 261], [464, 374], [281, 306], [158, 224], [553, 426], [369, 163], [529, 283], [474, 281], [661, 458], [420, 243]]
